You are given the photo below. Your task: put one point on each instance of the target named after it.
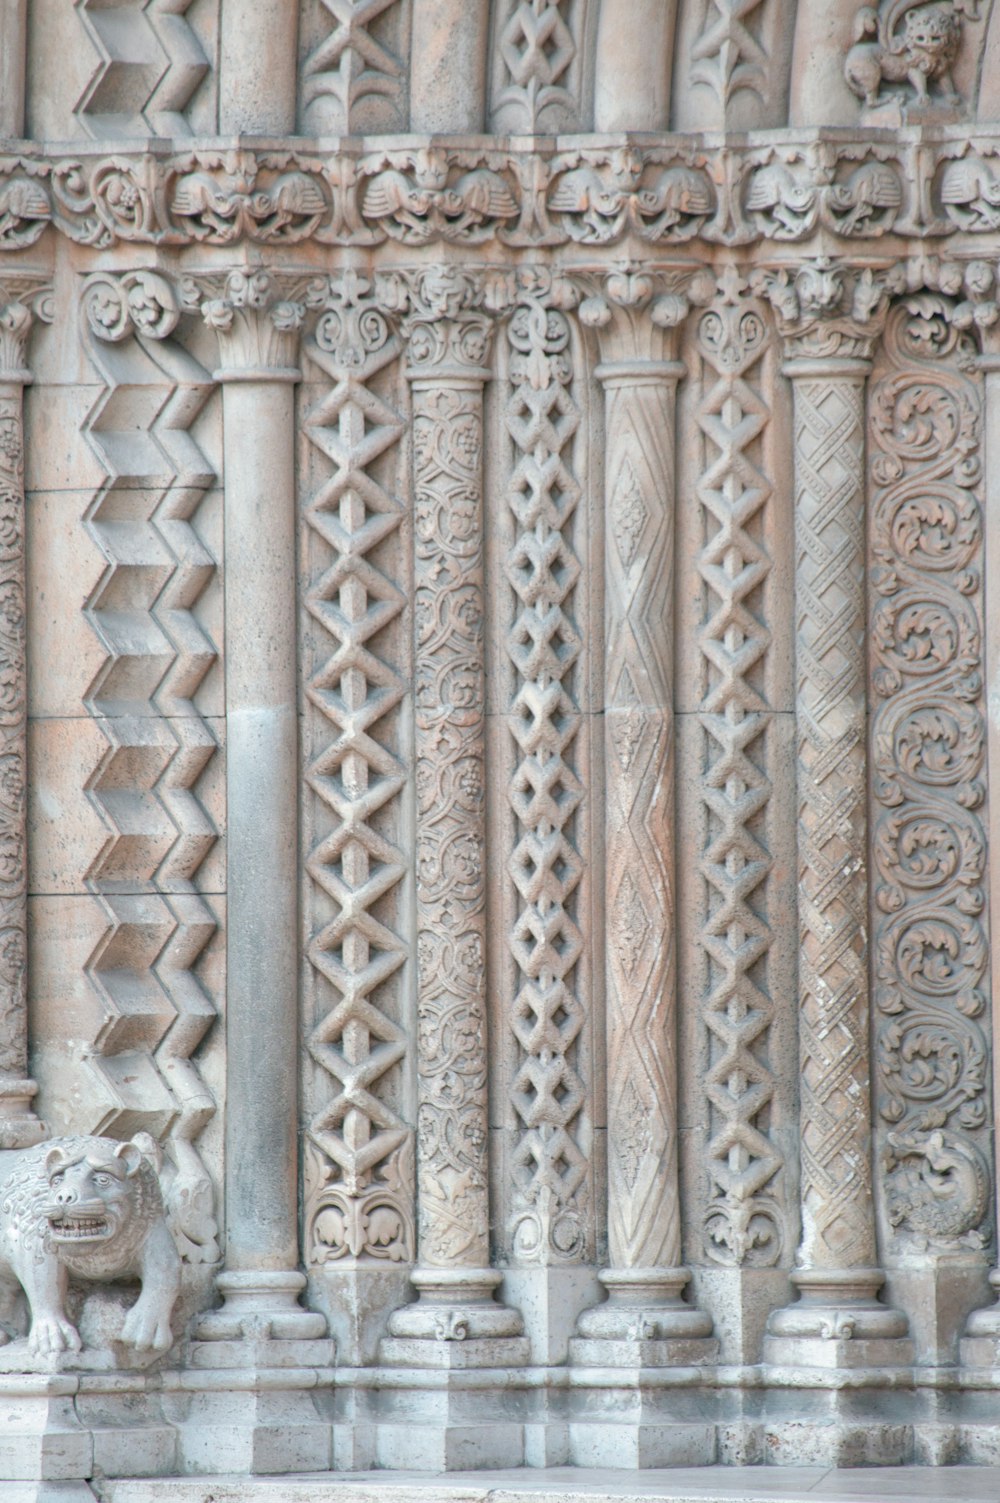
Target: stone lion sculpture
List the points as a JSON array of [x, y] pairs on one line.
[[923, 50], [90, 1208]]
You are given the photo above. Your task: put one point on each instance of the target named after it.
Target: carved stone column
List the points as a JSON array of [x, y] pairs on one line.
[[449, 336], [257, 319], [19, 1126], [644, 1319], [829, 323]]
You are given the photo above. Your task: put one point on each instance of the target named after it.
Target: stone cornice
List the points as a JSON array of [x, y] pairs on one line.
[[851, 188]]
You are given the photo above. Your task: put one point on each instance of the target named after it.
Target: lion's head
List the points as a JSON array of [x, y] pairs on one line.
[[102, 1199], [931, 37]]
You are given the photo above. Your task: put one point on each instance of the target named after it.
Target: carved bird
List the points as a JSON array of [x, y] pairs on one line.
[[871, 188], [679, 193], [791, 202], [583, 196], [972, 193]]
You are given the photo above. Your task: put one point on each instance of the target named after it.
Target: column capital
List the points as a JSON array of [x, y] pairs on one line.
[[23, 299], [636, 316], [257, 314], [829, 315], [448, 315]]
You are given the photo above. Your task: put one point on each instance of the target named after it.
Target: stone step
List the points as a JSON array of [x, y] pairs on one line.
[[711, 1484]]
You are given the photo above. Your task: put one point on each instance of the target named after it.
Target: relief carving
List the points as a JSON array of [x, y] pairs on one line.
[[906, 42], [89, 1208], [550, 1192], [743, 1223], [928, 751], [359, 1151]]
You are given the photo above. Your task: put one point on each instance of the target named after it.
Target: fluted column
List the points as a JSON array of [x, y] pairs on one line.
[[636, 333], [449, 340], [829, 322], [257, 319], [19, 1126]]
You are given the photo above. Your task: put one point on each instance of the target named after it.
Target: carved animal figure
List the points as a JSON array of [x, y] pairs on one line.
[[92, 1208], [939, 1187], [924, 50]]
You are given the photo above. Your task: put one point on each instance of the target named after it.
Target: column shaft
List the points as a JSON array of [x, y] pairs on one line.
[[640, 954], [258, 54], [838, 1229], [261, 780], [18, 1124]]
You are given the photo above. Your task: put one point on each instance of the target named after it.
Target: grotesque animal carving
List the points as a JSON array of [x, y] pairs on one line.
[[937, 1188], [924, 50], [92, 1208]]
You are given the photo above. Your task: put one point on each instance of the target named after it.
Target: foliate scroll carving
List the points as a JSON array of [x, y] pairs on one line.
[[142, 1065], [743, 1221], [359, 1151], [928, 751], [543, 642], [425, 192], [538, 66], [907, 42], [448, 344], [352, 80]]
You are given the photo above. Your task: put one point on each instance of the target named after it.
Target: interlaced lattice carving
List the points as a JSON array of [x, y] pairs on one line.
[[351, 66], [928, 752], [543, 643], [359, 1157], [727, 55], [833, 978], [742, 1222], [536, 48]]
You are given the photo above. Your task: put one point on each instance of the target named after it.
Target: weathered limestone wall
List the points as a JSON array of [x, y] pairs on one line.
[[497, 729]]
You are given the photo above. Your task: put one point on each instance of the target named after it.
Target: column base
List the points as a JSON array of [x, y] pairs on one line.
[[254, 1366], [644, 1322], [455, 1322], [837, 1322], [261, 1324], [979, 1347], [19, 1127]]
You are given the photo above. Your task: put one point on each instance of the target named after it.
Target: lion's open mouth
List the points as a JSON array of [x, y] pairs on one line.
[[79, 1228]]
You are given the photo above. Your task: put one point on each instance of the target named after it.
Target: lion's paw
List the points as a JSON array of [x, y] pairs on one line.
[[147, 1329], [51, 1334]]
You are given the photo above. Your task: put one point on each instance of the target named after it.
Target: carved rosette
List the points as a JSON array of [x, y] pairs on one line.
[[928, 741], [20, 299], [449, 341], [359, 1150], [550, 1216], [743, 1223], [829, 321]]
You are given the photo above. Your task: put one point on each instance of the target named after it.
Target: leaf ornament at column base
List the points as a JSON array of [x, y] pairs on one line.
[[644, 1322], [837, 1322]]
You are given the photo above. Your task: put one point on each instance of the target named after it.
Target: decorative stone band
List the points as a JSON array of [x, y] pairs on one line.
[[21, 298], [589, 192]]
